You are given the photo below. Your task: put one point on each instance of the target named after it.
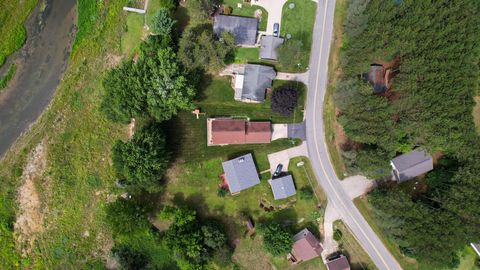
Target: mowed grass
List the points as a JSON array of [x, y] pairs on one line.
[[299, 22], [196, 184], [334, 71], [358, 258], [133, 33], [247, 55], [78, 177], [248, 10], [12, 32]]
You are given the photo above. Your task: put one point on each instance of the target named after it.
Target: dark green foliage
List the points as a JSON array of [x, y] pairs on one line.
[[305, 193], [169, 4], [284, 100], [198, 48], [221, 192], [129, 258], [142, 161], [192, 243], [199, 10], [7, 76], [290, 51], [276, 239], [127, 217], [88, 13], [162, 23], [153, 87], [337, 235]]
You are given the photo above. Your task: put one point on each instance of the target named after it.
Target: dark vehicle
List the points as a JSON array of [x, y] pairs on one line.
[[276, 29], [278, 170]]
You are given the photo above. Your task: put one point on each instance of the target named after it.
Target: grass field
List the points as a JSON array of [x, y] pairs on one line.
[[334, 71], [133, 33], [248, 10], [359, 259], [88, 14], [299, 22], [5, 79], [196, 184], [78, 178], [13, 16]]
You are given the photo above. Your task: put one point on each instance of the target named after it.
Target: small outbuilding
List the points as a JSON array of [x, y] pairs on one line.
[[252, 81], [240, 173], [243, 29], [269, 46], [379, 78], [282, 187], [305, 247], [410, 165], [338, 263]]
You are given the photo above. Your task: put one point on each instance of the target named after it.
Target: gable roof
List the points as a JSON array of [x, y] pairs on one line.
[[228, 131], [282, 187], [377, 78], [241, 173], [340, 263], [244, 29], [257, 78], [306, 246], [412, 164], [258, 132], [269, 45]]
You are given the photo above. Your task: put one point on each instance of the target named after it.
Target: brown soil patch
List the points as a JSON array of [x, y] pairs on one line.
[[131, 128], [30, 215], [437, 156], [476, 113]]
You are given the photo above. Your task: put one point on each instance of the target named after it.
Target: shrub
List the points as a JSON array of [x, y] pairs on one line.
[[227, 10], [306, 193], [284, 100], [337, 235], [277, 239], [162, 22]]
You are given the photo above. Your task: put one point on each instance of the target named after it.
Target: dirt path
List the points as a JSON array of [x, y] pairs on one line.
[[30, 215]]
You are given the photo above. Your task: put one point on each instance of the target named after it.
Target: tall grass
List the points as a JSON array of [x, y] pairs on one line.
[[8, 76]]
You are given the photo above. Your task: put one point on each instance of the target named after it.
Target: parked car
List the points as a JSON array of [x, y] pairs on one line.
[[278, 170], [276, 29]]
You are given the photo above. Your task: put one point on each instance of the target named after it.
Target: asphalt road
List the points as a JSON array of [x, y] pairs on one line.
[[317, 149]]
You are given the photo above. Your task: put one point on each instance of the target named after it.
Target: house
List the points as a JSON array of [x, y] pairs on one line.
[[282, 187], [268, 48], [251, 82], [305, 247], [379, 78], [240, 173], [243, 29], [338, 263], [476, 247], [224, 131], [411, 164]]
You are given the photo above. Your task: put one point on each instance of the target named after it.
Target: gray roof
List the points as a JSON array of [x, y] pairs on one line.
[[269, 45], [412, 164], [241, 173], [257, 78], [282, 187], [244, 29]]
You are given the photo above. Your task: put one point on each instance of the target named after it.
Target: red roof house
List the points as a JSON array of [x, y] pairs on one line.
[[225, 131], [338, 263], [305, 247]]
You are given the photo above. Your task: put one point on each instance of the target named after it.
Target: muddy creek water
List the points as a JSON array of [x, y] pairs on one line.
[[41, 64]]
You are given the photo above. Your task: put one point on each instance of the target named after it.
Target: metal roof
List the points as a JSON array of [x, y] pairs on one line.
[[241, 173], [412, 164], [306, 246], [244, 29], [257, 78], [340, 263], [282, 187], [269, 45]]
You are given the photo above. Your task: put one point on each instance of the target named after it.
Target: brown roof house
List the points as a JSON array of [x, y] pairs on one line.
[[251, 82], [305, 247], [224, 131], [240, 173], [379, 78], [410, 165], [338, 263]]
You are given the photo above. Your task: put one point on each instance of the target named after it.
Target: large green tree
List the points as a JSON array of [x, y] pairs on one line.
[[142, 161], [162, 23], [276, 239]]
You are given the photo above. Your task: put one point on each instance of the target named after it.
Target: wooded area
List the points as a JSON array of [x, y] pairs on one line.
[[436, 47]]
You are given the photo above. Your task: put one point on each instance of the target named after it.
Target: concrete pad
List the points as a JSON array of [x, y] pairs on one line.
[[274, 9], [357, 185], [280, 131], [283, 157]]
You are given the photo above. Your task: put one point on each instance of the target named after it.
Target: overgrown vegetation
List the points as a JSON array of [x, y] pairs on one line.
[[7, 76], [12, 31], [284, 101], [430, 105]]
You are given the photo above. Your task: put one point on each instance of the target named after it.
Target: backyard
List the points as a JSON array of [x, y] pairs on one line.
[[133, 33]]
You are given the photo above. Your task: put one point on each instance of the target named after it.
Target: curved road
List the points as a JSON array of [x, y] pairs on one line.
[[317, 149]]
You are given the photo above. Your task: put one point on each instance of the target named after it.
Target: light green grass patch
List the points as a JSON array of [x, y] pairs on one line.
[[246, 55], [133, 35], [299, 22]]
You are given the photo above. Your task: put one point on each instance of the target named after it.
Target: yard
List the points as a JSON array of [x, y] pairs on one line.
[[133, 34], [248, 10], [196, 184]]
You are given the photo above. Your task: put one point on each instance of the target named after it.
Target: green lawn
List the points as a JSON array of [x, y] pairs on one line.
[[358, 258], [12, 17], [247, 55], [248, 10], [196, 183], [299, 22], [5, 79], [133, 34]]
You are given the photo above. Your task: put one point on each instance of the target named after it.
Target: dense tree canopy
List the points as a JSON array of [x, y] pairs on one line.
[[154, 86], [142, 161], [162, 23], [276, 239], [284, 100]]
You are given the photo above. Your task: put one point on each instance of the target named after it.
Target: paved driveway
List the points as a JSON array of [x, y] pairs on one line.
[[283, 157], [274, 9], [297, 131]]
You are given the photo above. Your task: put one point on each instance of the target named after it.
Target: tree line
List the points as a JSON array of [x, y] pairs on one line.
[[437, 46]]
